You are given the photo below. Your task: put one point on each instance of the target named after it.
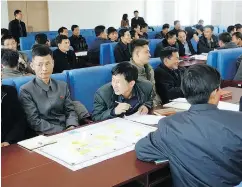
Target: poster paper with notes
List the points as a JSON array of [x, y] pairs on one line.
[[92, 144]]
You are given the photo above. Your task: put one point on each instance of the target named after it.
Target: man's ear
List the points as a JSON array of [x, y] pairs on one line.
[[132, 83]]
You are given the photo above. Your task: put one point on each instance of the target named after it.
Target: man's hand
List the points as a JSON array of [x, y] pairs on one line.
[[70, 127], [143, 110], [4, 144], [196, 38], [121, 108]]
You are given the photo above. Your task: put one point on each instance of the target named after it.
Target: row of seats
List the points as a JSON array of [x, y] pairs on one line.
[[225, 61], [107, 50], [83, 83]]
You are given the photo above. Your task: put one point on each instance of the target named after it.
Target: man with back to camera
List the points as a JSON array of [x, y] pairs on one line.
[[225, 41], [203, 144]]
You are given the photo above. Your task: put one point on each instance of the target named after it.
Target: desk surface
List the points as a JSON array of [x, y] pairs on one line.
[[236, 94], [23, 168], [192, 62]]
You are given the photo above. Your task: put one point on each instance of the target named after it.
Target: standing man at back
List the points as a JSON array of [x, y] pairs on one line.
[[17, 27], [137, 20]]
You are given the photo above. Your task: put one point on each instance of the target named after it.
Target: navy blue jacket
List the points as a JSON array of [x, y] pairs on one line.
[[203, 146], [94, 50]]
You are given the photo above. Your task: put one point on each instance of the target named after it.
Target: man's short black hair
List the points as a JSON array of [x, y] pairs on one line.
[[132, 33], [198, 82], [41, 50], [122, 32], [181, 31], [230, 28], [136, 11], [4, 32], [167, 52], [175, 22], [41, 38], [9, 58], [73, 27], [99, 29], [138, 43], [170, 34], [143, 25], [129, 71], [199, 27], [59, 38], [61, 30], [111, 30], [135, 26], [238, 26], [225, 37], [7, 37], [165, 26], [208, 27], [16, 12], [237, 35]]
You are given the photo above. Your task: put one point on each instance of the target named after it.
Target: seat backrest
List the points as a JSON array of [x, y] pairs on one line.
[[212, 58], [19, 81], [154, 62], [106, 53], [8, 81], [85, 82], [194, 44], [226, 63], [89, 39], [26, 42], [152, 45], [151, 34], [28, 53]]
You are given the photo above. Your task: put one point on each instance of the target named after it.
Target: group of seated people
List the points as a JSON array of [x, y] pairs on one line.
[[44, 106]]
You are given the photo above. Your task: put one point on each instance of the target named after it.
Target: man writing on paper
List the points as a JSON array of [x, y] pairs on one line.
[[125, 95], [46, 101], [203, 144]]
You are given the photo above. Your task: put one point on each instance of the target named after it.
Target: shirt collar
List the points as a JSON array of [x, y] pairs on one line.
[[122, 99], [198, 107], [41, 84]]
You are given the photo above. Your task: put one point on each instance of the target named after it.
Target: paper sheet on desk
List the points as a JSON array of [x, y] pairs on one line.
[[200, 57], [81, 53], [181, 103], [144, 119]]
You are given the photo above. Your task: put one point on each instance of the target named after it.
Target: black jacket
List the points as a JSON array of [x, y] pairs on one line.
[[64, 61], [203, 146], [203, 46], [13, 120], [160, 46], [104, 99], [78, 43], [168, 83], [14, 29], [138, 21], [160, 35], [182, 49], [122, 52]]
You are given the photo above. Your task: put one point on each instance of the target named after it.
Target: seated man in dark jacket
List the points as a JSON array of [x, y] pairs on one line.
[[143, 31], [122, 49], [78, 42], [162, 34], [203, 144], [124, 96], [13, 120], [64, 58], [185, 46], [61, 31], [168, 75], [170, 40], [208, 41], [94, 49], [225, 41]]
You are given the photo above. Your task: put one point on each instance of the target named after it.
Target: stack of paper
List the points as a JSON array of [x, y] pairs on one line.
[[181, 103], [36, 142], [144, 119], [82, 53], [199, 57]]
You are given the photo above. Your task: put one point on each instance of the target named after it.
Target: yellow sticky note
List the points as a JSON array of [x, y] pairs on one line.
[[102, 137], [138, 134], [84, 151], [118, 131], [112, 126]]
